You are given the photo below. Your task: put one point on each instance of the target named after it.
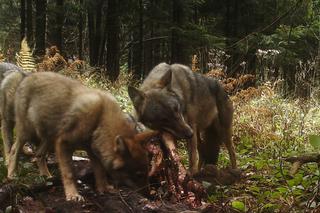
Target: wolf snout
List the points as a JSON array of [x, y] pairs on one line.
[[188, 134]]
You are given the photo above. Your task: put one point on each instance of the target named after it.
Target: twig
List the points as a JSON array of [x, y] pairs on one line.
[[125, 203], [97, 204]]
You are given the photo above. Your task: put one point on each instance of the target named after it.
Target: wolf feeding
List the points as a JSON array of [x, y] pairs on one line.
[[58, 113], [190, 106]]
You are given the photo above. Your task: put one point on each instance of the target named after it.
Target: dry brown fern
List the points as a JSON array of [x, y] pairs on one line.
[[52, 61], [217, 73], [195, 64], [1, 57], [233, 85], [24, 58], [77, 65]]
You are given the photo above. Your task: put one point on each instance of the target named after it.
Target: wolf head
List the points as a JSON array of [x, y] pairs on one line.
[[160, 108], [130, 161]]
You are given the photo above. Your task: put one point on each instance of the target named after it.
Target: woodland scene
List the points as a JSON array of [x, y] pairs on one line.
[[160, 106]]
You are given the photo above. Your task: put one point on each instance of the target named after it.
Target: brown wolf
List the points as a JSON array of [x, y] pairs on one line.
[[10, 77], [59, 112], [188, 105]]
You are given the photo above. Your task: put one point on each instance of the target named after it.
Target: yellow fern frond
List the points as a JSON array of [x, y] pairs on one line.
[[24, 58]]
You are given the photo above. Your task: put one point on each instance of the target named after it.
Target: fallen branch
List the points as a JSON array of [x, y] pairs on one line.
[[298, 161]]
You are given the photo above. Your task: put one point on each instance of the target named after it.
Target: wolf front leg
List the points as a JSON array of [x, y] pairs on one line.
[[41, 155], [193, 151], [102, 184], [64, 156]]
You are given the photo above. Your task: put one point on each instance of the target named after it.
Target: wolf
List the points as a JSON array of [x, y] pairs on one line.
[[190, 106], [59, 113], [6, 68], [10, 77]]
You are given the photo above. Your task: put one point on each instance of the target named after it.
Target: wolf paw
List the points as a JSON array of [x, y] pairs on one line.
[[12, 176], [74, 197]]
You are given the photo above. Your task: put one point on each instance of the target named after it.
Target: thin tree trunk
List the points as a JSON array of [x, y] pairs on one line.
[[104, 39], [22, 18], [59, 11], [178, 46], [97, 39], [137, 68], [40, 27], [231, 32], [29, 22], [80, 30], [113, 40], [91, 29], [94, 27]]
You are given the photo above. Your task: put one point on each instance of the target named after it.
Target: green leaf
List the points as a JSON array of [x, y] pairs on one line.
[[239, 205], [282, 189], [314, 141]]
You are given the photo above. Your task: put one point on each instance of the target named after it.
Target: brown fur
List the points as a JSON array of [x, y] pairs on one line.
[[188, 105], [61, 113]]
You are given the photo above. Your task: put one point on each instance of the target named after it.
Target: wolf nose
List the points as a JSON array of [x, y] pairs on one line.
[[189, 134]]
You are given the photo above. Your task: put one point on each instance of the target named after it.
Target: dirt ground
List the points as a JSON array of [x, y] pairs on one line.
[[50, 198]]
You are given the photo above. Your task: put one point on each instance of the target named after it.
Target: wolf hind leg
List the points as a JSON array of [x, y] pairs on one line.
[[210, 148], [227, 140], [7, 135], [13, 156]]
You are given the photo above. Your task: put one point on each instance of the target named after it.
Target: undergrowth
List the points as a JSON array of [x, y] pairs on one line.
[[268, 128]]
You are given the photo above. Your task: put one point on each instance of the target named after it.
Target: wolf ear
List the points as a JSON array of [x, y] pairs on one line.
[[166, 79], [121, 146], [136, 96], [144, 136]]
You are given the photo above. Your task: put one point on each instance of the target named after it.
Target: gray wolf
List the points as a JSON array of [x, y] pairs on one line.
[[190, 106], [59, 113], [10, 77]]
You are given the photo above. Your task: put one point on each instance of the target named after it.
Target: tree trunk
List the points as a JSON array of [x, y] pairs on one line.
[[113, 40], [40, 39], [22, 18], [80, 30], [94, 27], [231, 32], [29, 22], [178, 44], [97, 39], [57, 33], [91, 30], [137, 60], [104, 39]]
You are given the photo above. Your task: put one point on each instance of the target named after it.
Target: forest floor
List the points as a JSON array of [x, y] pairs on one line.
[[267, 129]]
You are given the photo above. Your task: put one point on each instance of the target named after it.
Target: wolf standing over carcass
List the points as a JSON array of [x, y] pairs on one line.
[[188, 105], [57, 112]]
